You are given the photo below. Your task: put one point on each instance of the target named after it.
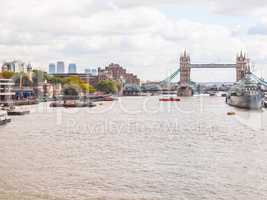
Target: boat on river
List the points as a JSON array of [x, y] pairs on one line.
[[247, 93], [4, 119], [170, 99], [12, 110]]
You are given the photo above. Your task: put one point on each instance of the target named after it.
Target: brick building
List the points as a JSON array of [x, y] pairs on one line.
[[118, 73]]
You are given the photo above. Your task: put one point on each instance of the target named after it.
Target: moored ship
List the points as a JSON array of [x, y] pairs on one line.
[[246, 93]]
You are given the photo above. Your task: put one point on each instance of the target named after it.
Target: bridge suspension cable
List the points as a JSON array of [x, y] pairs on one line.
[[171, 77], [259, 80]]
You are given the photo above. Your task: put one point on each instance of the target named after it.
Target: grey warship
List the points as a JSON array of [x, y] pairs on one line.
[[247, 93]]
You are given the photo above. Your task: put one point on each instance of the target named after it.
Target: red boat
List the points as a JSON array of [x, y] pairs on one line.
[[169, 99]]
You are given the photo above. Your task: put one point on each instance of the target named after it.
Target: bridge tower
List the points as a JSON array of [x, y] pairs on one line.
[[241, 66], [185, 72], [185, 69]]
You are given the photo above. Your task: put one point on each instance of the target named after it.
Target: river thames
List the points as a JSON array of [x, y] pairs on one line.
[[135, 149]]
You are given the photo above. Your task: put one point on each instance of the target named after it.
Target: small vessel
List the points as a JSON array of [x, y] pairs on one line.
[[4, 119], [231, 113], [211, 93], [101, 97], [172, 99], [109, 98], [246, 93], [12, 110], [72, 105], [18, 112]]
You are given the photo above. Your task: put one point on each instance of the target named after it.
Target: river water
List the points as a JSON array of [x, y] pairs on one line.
[[135, 149]]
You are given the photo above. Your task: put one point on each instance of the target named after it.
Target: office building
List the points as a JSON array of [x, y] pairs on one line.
[[72, 68], [60, 67], [51, 68], [92, 72], [16, 66]]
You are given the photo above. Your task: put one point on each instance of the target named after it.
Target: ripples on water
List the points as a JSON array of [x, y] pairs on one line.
[[137, 148]]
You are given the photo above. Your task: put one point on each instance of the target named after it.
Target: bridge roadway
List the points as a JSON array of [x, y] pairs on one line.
[[199, 66]]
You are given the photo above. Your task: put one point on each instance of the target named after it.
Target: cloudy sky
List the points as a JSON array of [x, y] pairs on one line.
[[144, 36]]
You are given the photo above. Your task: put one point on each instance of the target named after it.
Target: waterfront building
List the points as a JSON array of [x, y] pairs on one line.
[[51, 68], [16, 66], [52, 90], [24, 92], [132, 79], [116, 70], [104, 74], [72, 68], [60, 67], [118, 73], [131, 90], [6, 90]]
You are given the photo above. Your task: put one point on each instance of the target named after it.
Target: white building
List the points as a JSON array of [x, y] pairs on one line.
[[16, 66], [6, 90]]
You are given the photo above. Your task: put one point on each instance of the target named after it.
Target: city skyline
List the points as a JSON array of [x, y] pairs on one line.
[[147, 37], [68, 68]]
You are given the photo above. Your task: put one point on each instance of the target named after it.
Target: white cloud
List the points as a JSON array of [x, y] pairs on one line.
[[136, 34]]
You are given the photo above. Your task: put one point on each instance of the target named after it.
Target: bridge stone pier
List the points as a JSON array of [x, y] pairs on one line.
[[185, 85]]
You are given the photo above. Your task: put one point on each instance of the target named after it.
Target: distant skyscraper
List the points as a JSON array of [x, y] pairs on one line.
[[14, 66], [87, 71], [72, 68], [60, 67], [51, 68], [92, 72]]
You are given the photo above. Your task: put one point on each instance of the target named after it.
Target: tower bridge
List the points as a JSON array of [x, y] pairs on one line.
[[241, 65], [185, 84]]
